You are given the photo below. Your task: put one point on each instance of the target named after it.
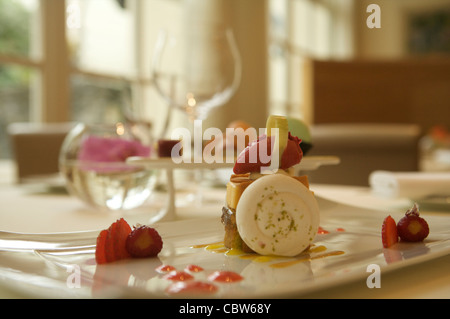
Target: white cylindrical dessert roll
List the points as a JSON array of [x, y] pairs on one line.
[[277, 215]]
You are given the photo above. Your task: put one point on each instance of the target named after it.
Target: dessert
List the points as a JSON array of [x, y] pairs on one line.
[[270, 213]]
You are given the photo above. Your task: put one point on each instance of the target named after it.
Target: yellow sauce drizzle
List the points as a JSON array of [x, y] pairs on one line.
[[305, 258], [215, 246], [234, 252], [317, 249], [219, 247], [206, 245]]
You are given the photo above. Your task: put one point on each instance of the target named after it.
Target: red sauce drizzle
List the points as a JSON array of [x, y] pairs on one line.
[[192, 287], [322, 231], [193, 268], [165, 269], [225, 276], [178, 276]]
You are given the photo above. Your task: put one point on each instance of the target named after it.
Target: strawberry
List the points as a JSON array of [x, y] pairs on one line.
[[144, 241], [100, 249], [389, 235], [111, 242], [412, 227], [246, 163]]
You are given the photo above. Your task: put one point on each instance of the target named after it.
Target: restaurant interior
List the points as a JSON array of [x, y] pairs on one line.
[[368, 80]]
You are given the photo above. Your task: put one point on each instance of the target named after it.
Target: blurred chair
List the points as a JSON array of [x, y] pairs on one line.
[[362, 149], [36, 148]]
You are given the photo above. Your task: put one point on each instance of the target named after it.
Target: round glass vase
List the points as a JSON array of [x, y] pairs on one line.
[[93, 163]]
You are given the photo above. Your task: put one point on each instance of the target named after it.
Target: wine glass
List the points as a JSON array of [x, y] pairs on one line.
[[197, 70]]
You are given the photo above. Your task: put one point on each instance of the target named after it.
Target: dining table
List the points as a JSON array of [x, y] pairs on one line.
[[47, 208]]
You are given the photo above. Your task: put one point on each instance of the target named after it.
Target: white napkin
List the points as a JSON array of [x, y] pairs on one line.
[[412, 185]]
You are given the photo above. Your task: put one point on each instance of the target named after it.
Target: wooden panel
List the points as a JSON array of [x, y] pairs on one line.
[[407, 91]]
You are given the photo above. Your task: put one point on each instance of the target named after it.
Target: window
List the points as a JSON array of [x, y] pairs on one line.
[[78, 60], [301, 30], [19, 64], [100, 36], [89, 60]]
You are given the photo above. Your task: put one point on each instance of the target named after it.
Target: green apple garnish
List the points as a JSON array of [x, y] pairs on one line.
[[277, 124]]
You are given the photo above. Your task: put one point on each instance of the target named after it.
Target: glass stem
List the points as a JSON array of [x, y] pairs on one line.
[[198, 154]]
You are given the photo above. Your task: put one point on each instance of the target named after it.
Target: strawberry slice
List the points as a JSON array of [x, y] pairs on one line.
[[109, 244], [389, 235], [122, 231], [116, 240], [100, 250]]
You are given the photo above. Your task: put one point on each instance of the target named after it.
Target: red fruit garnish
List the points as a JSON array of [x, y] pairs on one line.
[[100, 250], [178, 276], [193, 268], [144, 241], [412, 227], [165, 268], [111, 242], [245, 162], [389, 235], [123, 229], [225, 276]]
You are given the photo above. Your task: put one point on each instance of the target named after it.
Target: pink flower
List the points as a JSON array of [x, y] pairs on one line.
[[99, 151]]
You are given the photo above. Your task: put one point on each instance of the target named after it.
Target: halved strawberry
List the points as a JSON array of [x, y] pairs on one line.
[[100, 249], [144, 241], [412, 227], [389, 235]]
